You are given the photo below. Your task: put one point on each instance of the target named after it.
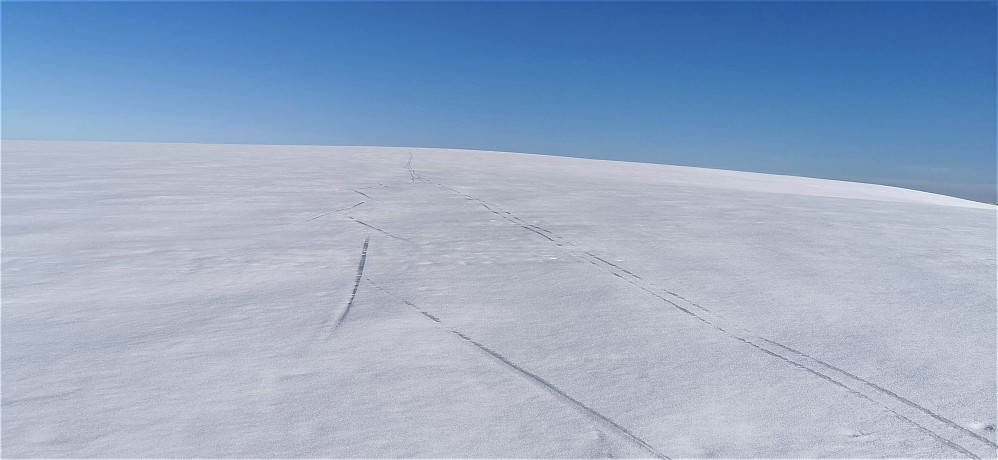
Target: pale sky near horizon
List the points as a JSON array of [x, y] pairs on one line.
[[899, 93]]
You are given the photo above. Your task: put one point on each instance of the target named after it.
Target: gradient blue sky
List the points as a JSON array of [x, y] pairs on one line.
[[897, 93]]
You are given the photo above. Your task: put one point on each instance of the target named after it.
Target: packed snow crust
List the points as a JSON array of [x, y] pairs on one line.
[[184, 300]]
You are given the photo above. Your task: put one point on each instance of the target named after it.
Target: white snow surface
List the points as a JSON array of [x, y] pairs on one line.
[[185, 300]]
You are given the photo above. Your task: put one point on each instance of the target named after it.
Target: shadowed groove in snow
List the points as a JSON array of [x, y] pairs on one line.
[[366, 195], [356, 283], [375, 228]]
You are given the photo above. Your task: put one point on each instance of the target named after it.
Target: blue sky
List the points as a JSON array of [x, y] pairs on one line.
[[887, 92]]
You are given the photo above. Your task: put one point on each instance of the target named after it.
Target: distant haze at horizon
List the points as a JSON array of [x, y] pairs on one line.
[[900, 94]]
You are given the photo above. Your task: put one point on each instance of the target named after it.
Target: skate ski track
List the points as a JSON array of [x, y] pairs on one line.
[[946, 431]]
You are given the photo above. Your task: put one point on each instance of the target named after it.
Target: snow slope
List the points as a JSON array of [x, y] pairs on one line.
[[183, 300]]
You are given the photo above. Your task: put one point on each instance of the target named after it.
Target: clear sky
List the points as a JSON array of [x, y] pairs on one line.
[[886, 92]]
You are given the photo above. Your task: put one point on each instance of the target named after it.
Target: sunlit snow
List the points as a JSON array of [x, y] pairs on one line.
[[184, 300]]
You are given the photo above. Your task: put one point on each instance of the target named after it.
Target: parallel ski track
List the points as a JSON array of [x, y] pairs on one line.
[[408, 166], [536, 379], [946, 431]]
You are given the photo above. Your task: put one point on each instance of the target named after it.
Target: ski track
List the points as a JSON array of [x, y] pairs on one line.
[[330, 212], [536, 379], [348, 216], [948, 432], [408, 166], [379, 184], [890, 393], [374, 228], [368, 196], [356, 283]]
